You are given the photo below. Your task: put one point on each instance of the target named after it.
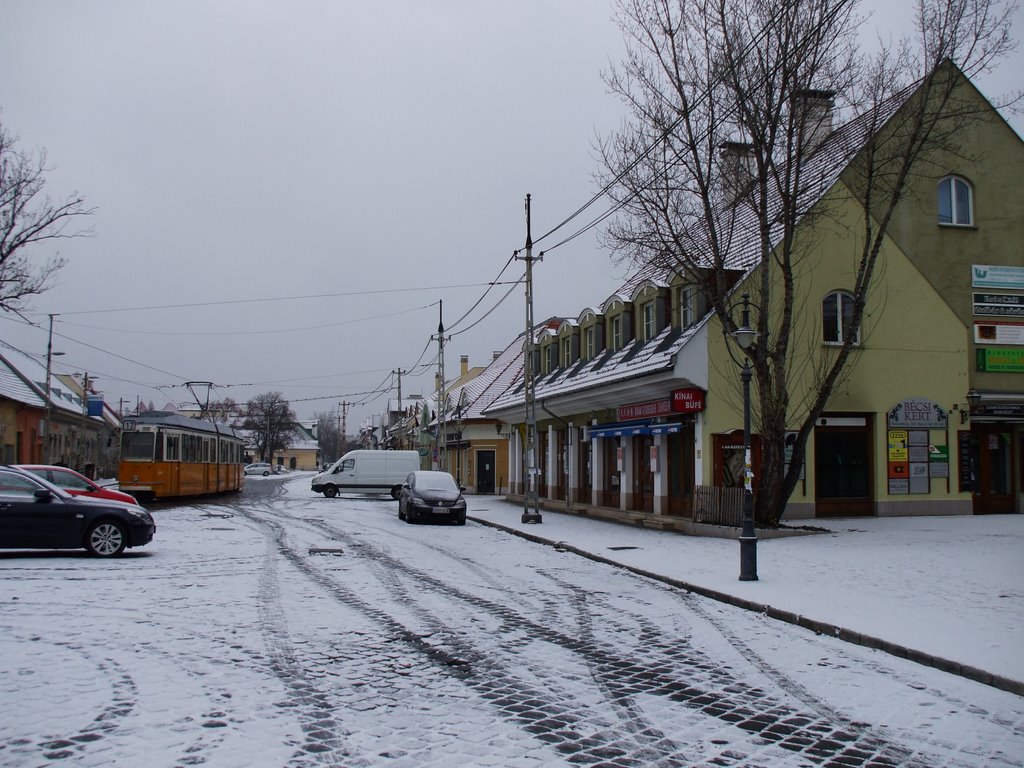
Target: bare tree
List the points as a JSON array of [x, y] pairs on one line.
[[328, 435], [722, 169], [272, 422], [223, 411], [29, 217]]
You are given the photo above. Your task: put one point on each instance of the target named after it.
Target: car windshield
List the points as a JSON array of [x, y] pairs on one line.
[[436, 481]]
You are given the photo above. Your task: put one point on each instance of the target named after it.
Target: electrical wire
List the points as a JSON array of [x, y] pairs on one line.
[[630, 167]]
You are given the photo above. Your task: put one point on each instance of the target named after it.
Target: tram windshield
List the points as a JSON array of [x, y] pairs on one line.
[[137, 446]]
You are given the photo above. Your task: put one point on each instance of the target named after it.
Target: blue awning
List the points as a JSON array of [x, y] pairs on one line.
[[666, 429], [628, 429], [622, 430]]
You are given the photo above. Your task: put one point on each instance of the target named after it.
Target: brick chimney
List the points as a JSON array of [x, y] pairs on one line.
[[463, 365]]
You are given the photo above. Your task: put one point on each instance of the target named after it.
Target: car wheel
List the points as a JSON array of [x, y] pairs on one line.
[[106, 538], [461, 521], [265, 474], [410, 516], [330, 491], [395, 491]]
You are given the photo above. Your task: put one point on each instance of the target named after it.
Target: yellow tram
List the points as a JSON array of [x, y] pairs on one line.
[[165, 455]]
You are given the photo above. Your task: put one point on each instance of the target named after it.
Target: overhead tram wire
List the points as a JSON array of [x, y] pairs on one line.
[[704, 95], [274, 298], [258, 332]]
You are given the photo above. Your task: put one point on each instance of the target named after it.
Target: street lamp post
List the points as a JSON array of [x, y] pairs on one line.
[[745, 336]]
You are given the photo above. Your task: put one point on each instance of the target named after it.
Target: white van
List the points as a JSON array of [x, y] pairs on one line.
[[367, 472]]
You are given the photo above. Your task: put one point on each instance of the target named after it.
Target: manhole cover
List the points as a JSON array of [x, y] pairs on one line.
[[326, 552], [619, 549]]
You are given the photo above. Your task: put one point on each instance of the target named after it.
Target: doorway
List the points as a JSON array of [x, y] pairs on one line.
[[842, 468], [993, 460], [485, 471]]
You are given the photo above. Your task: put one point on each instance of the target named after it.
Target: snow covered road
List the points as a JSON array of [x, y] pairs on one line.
[[279, 628]]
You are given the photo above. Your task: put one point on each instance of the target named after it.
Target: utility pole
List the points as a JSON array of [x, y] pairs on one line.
[[82, 457], [401, 413], [442, 434], [531, 502], [343, 425], [48, 396]]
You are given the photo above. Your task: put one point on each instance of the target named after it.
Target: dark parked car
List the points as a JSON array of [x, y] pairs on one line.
[[35, 514], [431, 495]]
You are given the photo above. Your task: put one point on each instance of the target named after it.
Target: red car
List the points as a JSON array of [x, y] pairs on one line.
[[77, 484]]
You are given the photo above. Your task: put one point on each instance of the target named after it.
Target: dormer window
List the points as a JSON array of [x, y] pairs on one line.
[[650, 321], [589, 343], [687, 306], [616, 333], [956, 202]]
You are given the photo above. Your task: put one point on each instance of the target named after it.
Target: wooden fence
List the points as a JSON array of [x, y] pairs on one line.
[[717, 505]]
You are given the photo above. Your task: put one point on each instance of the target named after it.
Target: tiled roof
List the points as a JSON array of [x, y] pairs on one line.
[[484, 389], [32, 374], [14, 388]]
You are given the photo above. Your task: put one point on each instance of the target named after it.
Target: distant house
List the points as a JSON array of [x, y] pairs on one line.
[[74, 430]]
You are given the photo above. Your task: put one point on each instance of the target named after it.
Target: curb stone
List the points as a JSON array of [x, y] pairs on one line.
[[818, 627]]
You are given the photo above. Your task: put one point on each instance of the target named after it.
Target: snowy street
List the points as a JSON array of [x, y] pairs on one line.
[[282, 628]]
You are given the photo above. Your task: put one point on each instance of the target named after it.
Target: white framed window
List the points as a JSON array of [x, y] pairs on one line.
[[650, 322], [589, 342], [956, 202], [687, 306], [836, 316], [616, 333], [567, 352]]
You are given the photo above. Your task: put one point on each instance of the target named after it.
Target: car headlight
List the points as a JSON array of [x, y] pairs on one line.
[[140, 513]]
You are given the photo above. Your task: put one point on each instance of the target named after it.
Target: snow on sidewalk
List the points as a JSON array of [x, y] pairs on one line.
[[952, 587]]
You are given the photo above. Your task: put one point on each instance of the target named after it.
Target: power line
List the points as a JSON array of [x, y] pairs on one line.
[[255, 333], [665, 133], [267, 299]]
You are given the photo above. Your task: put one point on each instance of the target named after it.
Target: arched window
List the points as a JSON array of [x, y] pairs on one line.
[[836, 316], [956, 202]]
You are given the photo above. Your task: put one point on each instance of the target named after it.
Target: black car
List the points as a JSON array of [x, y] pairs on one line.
[[430, 495], [35, 514]]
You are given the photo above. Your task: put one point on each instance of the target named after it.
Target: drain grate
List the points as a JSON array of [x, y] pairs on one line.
[[335, 552], [619, 549]]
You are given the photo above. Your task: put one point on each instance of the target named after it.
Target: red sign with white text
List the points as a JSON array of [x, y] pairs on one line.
[[688, 400], [644, 410]]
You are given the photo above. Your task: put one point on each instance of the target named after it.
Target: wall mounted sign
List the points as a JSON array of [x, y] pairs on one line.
[[646, 410], [999, 304], [689, 400], [996, 332], [999, 360], [988, 276], [918, 414]]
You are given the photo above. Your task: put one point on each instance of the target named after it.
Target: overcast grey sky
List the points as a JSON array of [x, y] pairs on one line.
[[370, 157]]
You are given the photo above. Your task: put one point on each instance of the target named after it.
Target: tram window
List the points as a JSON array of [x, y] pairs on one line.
[[172, 451], [206, 451], [137, 446]]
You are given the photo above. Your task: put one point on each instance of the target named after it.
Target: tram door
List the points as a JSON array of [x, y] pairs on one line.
[[994, 462]]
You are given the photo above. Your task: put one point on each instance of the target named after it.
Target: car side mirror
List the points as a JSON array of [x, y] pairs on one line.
[[43, 494], [462, 489]]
